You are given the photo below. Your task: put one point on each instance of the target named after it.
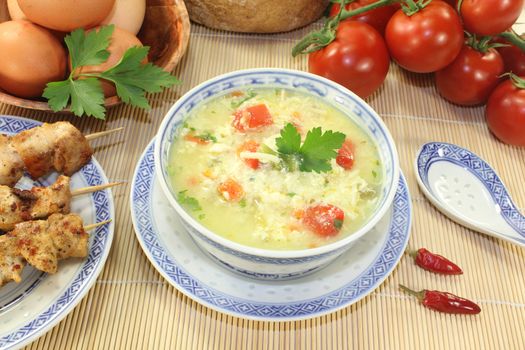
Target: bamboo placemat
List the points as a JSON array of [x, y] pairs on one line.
[[133, 307]]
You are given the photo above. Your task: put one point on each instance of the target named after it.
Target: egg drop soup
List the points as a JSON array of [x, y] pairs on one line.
[[275, 169]]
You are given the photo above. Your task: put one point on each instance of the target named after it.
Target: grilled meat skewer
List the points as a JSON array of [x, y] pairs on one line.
[[59, 146], [41, 243], [11, 165], [11, 263], [39, 202]]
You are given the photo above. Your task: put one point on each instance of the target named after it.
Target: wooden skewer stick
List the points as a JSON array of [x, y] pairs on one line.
[[95, 225], [91, 189], [102, 133]]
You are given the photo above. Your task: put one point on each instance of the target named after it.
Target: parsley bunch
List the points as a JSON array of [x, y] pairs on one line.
[[314, 154], [131, 77]]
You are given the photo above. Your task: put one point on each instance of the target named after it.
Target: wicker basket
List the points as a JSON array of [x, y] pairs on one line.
[[166, 29]]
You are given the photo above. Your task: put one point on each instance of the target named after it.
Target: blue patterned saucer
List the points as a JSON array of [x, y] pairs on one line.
[[343, 282], [466, 189], [32, 307]]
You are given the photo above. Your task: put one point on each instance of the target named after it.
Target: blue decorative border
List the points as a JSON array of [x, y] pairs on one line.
[[101, 240], [441, 151], [384, 263]]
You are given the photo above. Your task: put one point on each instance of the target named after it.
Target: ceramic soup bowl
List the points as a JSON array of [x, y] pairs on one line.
[[264, 263]]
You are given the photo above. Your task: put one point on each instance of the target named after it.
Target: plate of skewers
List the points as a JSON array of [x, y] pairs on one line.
[[56, 228]]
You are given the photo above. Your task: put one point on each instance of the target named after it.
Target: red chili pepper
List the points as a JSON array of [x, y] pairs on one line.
[[444, 302], [435, 263]]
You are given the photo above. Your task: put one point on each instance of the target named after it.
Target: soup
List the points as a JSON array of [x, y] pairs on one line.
[[275, 169]]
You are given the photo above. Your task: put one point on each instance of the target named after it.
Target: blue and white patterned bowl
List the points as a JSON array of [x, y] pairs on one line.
[[263, 263]]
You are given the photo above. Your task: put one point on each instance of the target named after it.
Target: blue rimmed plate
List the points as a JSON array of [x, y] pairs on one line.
[[35, 305], [349, 278]]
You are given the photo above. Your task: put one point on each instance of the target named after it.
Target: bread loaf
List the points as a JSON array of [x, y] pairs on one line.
[[255, 16]]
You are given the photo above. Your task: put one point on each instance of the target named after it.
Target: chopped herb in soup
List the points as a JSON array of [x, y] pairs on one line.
[[275, 169]]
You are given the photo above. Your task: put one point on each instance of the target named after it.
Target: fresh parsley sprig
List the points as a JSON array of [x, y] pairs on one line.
[[131, 77], [190, 203], [314, 154]]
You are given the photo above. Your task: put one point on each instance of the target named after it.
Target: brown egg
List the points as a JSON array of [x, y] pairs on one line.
[[16, 13], [66, 15], [127, 14], [121, 40], [30, 57]]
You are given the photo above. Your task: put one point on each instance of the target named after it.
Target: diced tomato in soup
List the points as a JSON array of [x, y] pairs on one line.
[[231, 190], [345, 156], [324, 219], [249, 146], [252, 117]]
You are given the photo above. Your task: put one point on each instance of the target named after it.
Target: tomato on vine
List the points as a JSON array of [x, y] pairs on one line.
[[505, 111], [351, 53], [489, 17], [424, 37], [357, 59], [473, 75]]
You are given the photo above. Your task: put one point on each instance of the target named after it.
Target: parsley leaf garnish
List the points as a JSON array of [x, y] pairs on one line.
[[249, 95], [189, 202], [207, 136], [314, 154], [290, 140], [81, 93], [91, 48], [131, 77]]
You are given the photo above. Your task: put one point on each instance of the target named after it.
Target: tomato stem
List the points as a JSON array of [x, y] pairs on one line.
[[516, 80], [458, 6], [411, 7], [513, 38], [317, 40], [347, 14], [482, 44]]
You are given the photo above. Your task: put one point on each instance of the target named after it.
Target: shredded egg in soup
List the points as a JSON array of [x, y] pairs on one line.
[[275, 169]]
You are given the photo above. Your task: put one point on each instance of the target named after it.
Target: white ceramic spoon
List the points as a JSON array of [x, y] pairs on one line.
[[466, 189]]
